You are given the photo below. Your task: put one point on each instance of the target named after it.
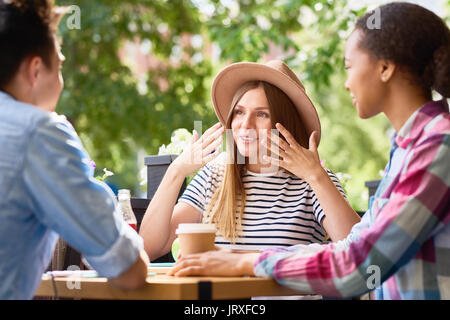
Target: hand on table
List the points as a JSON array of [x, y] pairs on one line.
[[179, 255], [215, 263]]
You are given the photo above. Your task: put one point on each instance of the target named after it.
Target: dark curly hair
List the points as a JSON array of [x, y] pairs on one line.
[[415, 39], [27, 27]]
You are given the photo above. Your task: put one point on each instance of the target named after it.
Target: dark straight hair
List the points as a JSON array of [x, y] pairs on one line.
[[27, 28], [415, 39]]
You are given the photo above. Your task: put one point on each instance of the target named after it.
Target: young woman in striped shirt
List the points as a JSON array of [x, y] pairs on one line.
[[401, 247], [254, 204]]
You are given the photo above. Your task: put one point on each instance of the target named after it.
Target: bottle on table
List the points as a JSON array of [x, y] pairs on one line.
[[124, 197]]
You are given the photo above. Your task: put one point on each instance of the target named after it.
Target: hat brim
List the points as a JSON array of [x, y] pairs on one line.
[[234, 76]]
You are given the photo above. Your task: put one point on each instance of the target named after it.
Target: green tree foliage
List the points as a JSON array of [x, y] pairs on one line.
[[101, 95], [121, 106]]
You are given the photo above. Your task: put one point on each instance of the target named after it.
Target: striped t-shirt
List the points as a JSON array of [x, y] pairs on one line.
[[280, 209]]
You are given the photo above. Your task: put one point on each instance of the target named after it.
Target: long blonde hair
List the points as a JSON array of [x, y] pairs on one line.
[[227, 203]]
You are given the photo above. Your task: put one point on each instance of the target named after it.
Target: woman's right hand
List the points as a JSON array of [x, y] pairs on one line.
[[200, 151]]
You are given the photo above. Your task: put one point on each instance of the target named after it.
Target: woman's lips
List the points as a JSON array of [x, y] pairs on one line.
[[248, 140]]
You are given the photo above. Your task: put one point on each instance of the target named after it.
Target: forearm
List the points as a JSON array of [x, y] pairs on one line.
[[155, 226], [340, 216], [304, 269], [344, 271]]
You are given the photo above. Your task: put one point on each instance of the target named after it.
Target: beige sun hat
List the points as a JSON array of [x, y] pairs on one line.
[[275, 72]]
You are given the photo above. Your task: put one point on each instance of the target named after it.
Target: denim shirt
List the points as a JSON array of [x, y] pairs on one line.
[[47, 189]]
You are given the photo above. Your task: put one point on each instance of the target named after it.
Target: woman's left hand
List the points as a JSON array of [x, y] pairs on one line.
[[290, 155]]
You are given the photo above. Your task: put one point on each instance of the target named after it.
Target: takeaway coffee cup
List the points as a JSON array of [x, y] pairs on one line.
[[196, 237]]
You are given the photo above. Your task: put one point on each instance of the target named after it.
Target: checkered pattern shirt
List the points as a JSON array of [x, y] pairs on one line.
[[401, 247]]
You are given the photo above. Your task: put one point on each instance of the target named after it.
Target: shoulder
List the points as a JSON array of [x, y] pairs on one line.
[[434, 140], [20, 116], [56, 122], [433, 127], [55, 138], [34, 125], [431, 153], [438, 126], [54, 128]]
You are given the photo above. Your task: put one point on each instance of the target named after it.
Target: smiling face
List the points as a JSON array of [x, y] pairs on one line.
[[250, 119], [363, 80]]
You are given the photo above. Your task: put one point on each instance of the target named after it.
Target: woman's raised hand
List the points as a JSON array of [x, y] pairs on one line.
[[290, 155], [200, 151]]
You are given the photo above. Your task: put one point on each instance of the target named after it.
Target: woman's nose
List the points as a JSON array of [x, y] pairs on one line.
[[346, 86], [247, 121]]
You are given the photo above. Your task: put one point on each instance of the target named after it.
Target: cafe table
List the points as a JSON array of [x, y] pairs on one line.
[[160, 286]]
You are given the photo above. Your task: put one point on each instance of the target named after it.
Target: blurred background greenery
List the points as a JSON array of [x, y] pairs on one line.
[[137, 70]]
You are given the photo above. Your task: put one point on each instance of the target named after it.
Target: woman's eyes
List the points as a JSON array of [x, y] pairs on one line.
[[259, 114]]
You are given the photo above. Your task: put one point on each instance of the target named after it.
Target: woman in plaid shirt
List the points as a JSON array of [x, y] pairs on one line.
[[401, 247]]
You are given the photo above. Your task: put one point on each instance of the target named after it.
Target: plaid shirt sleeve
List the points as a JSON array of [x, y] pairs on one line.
[[416, 208]]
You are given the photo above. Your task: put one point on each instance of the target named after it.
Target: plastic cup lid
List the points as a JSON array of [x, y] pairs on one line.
[[196, 228]]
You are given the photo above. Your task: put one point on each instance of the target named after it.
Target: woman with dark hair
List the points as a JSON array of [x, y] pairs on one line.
[[401, 247]]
